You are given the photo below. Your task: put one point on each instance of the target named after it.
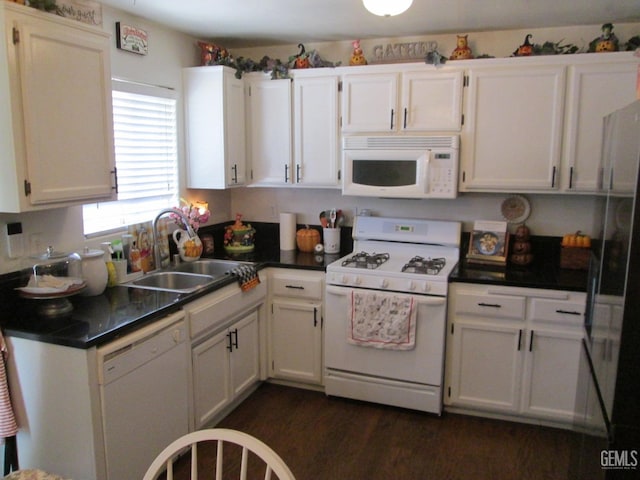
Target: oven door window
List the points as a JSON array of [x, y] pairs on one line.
[[385, 173]]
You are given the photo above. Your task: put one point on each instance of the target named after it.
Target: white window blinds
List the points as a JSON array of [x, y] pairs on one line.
[[145, 139]]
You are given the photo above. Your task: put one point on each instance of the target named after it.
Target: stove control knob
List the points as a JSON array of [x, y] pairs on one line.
[[344, 279], [357, 281], [426, 287], [411, 285], [384, 283]]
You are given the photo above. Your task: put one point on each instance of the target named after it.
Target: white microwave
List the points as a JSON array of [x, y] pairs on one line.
[[400, 166]]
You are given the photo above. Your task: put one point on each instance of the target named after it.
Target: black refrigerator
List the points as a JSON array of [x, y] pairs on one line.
[[609, 403]]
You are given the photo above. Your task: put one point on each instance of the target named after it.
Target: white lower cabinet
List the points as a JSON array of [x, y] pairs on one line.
[[485, 367], [514, 351], [224, 366], [295, 325], [550, 376], [226, 356]]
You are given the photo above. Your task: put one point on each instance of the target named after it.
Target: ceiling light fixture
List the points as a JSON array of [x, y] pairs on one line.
[[387, 8]]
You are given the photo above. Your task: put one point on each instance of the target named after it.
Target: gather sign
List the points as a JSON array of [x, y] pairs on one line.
[[402, 52]]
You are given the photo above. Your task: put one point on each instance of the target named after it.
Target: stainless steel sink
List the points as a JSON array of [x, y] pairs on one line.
[[211, 267], [172, 281]]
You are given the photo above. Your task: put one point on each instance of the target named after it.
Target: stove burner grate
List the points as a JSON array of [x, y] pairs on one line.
[[425, 266], [366, 260]]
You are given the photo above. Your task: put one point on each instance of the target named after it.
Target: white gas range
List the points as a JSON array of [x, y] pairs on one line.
[[402, 263]]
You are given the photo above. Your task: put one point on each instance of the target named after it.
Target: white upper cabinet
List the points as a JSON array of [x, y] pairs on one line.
[[215, 127], [292, 128], [315, 129], [536, 124], [431, 101], [594, 90], [56, 115], [512, 135], [404, 99], [269, 130], [369, 102]]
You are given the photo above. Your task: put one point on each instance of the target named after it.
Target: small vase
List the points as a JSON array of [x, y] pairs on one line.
[[189, 248]]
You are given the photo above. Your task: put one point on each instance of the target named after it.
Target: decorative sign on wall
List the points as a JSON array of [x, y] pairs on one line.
[[86, 11], [402, 52], [132, 39]]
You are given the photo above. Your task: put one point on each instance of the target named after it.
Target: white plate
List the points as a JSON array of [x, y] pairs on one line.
[[76, 285], [516, 209]]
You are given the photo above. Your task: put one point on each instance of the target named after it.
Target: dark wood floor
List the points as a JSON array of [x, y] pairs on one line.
[[327, 438]]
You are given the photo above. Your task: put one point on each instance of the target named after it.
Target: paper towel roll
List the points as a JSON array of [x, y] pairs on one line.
[[287, 231]]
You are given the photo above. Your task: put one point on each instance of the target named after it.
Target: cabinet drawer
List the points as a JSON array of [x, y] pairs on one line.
[[218, 308], [495, 306], [570, 313], [297, 286]]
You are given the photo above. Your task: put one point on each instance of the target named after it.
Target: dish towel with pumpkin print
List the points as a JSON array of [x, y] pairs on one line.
[[382, 320], [8, 426]]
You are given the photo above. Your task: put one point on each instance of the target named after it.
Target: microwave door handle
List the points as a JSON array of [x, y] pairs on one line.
[[425, 173]]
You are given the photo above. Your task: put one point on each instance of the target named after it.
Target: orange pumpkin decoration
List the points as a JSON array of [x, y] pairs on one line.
[[522, 232], [302, 59], [526, 49], [521, 247], [522, 258], [307, 239], [577, 239]]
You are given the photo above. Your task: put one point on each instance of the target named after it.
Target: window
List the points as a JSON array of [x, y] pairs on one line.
[[145, 139]]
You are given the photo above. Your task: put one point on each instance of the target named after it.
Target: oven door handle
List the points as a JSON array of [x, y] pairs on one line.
[[432, 301], [421, 300], [340, 291]]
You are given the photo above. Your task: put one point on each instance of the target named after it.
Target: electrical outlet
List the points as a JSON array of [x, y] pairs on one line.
[[35, 244]]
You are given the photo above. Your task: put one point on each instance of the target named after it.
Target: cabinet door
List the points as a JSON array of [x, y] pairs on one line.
[[513, 129], [431, 101], [486, 366], [65, 84], [235, 136], [550, 376], [315, 120], [211, 380], [594, 91], [245, 353], [369, 103], [296, 341], [269, 122], [215, 129]]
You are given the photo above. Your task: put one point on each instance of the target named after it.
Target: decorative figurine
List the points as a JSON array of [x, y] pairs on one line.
[[357, 57], [301, 60], [462, 50], [433, 57], [526, 49], [521, 249], [211, 54], [607, 42]]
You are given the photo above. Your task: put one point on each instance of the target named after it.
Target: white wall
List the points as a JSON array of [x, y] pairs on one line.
[[169, 52], [496, 43], [550, 214]]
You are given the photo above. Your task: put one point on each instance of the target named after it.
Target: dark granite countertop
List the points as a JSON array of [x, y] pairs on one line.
[[120, 310], [543, 272]]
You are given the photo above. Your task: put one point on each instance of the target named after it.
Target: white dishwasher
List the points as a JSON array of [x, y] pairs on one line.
[[144, 386]]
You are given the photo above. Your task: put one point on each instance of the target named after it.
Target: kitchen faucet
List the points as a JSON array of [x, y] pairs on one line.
[[156, 247]]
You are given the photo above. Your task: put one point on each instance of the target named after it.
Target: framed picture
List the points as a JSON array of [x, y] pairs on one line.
[[207, 243], [131, 39], [488, 243]]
